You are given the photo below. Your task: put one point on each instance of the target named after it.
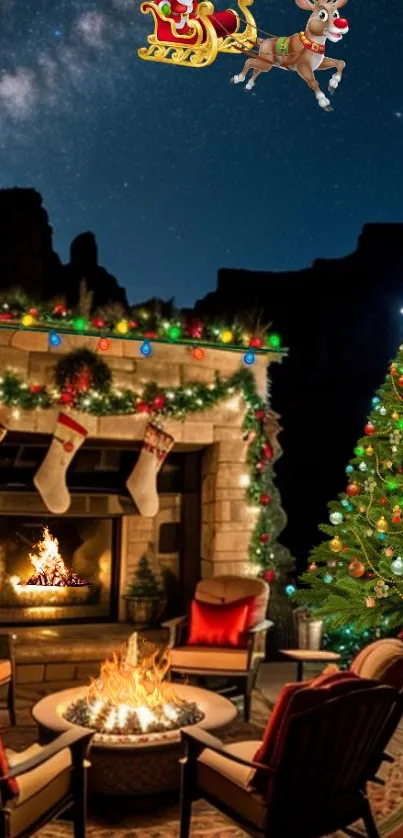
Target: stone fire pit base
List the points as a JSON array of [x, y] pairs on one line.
[[147, 766]]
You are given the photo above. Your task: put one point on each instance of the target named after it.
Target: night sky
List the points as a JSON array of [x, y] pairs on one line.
[[179, 173]]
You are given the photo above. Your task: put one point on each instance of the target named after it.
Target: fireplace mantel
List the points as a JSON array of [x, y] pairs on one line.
[[226, 519]]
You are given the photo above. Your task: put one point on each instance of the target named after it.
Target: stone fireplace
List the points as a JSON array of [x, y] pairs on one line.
[[204, 523]]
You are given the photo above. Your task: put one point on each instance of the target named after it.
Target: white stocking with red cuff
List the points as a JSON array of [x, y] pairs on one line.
[[142, 483], [50, 479]]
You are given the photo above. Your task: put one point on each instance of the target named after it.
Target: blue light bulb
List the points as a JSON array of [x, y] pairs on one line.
[[145, 349], [54, 339], [249, 358], [290, 590]]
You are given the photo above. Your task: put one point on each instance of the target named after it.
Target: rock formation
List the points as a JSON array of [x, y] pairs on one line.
[[84, 266]]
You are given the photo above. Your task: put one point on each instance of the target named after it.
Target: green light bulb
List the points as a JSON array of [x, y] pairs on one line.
[[274, 341], [174, 332], [80, 323]]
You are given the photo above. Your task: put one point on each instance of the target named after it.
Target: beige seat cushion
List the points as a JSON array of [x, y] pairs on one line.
[[5, 670], [208, 658], [229, 782], [39, 789]]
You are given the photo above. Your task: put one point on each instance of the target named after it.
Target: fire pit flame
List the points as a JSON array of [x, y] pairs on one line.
[[132, 696], [50, 570]]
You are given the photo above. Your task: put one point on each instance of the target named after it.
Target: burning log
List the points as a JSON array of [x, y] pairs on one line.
[[50, 568]]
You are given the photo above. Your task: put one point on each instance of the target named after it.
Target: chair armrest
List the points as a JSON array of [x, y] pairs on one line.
[[264, 625], [176, 627], [198, 740], [175, 621], [66, 740]]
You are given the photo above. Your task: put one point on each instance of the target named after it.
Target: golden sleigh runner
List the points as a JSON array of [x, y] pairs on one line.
[[196, 40]]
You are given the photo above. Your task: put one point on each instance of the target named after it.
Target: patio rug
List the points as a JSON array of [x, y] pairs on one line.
[[386, 801]]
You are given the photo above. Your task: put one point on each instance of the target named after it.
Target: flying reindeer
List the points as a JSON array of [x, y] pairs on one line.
[[305, 51]]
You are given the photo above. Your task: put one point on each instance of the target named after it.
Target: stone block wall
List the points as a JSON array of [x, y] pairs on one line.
[[227, 520]]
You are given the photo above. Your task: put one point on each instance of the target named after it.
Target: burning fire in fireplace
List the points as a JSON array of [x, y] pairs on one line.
[[132, 696], [50, 570]]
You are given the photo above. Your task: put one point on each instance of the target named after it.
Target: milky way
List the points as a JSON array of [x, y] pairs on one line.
[[177, 172]]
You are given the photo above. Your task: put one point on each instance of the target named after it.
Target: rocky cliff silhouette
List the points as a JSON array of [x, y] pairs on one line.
[[342, 324], [28, 261]]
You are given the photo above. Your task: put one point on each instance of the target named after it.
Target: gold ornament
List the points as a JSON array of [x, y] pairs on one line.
[[336, 545], [388, 464], [395, 415], [313, 566], [369, 450], [370, 602], [382, 524], [368, 533], [362, 508]]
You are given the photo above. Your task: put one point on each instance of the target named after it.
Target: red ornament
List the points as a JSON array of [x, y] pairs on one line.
[[6, 315], [270, 576], [383, 501], [400, 381], [353, 489], [82, 381], [60, 310], [267, 451], [264, 500], [259, 415], [369, 429], [150, 335], [36, 388], [397, 518], [265, 537], [98, 322], [66, 397], [256, 343], [33, 312], [260, 466], [356, 569], [142, 407], [393, 370], [159, 402]]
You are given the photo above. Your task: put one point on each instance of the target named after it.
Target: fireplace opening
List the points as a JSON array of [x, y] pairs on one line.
[[57, 569]]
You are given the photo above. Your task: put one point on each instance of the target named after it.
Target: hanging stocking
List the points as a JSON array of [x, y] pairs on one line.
[[3, 423], [142, 483], [50, 479]]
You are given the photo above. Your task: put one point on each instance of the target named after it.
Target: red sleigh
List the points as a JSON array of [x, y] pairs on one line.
[[207, 33]]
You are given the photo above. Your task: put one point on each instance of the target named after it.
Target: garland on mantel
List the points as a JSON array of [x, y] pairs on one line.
[[170, 402], [135, 323]]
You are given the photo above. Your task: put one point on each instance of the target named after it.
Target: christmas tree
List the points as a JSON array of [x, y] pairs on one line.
[[144, 583], [355, 576]]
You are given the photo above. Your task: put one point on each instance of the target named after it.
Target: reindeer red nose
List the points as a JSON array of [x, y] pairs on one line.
[[340, 23]]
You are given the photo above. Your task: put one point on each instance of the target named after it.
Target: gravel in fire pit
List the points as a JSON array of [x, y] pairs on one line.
[[109, 720]]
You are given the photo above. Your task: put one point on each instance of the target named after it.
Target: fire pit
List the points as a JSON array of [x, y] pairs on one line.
[[137, 715]]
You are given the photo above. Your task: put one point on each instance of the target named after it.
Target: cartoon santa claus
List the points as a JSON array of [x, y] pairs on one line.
[[179, 11]]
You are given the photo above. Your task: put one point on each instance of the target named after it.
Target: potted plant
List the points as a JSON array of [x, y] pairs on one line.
[[144, 597]]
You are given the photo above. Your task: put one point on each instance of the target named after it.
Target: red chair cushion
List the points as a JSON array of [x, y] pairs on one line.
[[297, 698], [218, 625], [12, 785]]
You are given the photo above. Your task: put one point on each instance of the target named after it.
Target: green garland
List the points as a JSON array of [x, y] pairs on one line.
[[138, 323], [178, 403]]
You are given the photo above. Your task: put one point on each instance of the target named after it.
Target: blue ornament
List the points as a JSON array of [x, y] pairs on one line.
[[345, 503], [375, 400], [328, 578], [290, 590], [349, 469], [382, 536]]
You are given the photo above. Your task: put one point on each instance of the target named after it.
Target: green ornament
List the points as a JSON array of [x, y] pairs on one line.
[[359, 451]]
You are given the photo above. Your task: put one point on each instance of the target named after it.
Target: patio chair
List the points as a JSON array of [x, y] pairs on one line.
[[7, 673], [43, 782], [382, 661], [225, 634], [308, 776]]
